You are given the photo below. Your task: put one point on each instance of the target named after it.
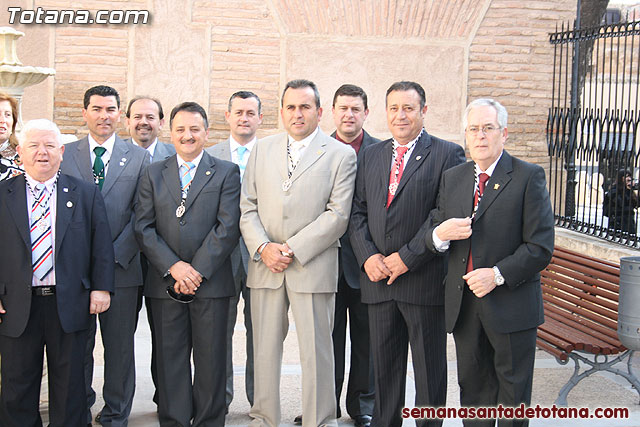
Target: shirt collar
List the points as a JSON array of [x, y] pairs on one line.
[[152, 148], [410, 145], [491, 168], [108, 144], [48, 183], [195, 161], [233, 144], [303, 143]]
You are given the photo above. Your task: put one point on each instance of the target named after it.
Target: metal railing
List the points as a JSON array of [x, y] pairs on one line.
[[592, 131]]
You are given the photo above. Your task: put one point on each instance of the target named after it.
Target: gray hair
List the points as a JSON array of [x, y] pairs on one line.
[[487, 102], [41, 125]]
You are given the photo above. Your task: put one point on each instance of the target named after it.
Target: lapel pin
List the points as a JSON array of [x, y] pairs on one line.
[[319, 152], [123, 159], [121, 163], [69, 204], [65, 189], [418, 158], [207, 173], [496, 186]]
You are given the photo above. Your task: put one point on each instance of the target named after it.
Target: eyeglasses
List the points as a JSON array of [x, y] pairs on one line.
[[487, 129]]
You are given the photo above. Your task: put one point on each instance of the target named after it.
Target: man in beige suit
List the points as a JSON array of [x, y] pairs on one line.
[[295, 204]]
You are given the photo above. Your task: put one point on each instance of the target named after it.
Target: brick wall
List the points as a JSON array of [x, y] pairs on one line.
[[511, 60], [207, 49]]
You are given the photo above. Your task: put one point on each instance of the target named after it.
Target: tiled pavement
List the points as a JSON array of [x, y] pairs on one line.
[[599, 390]]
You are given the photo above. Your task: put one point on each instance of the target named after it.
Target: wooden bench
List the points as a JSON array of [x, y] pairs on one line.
[[580, 299]]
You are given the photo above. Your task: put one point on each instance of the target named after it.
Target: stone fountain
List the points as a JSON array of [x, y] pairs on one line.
[[14, 76]]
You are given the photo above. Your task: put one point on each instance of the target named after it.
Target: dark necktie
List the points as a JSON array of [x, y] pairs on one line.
[[482, 183], [98, 166]]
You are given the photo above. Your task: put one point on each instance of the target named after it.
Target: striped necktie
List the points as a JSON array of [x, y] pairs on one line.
[[41, 242], [186, 177]]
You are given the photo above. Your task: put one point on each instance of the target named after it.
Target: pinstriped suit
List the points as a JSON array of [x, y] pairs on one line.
[[411, 309]]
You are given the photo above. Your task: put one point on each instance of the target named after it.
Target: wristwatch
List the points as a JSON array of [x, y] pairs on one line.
[[497, 279]]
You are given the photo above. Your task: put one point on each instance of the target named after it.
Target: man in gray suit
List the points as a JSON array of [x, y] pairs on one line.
[[187, 225], [244, 115], [117, 166], [296, 200], [145, 119]]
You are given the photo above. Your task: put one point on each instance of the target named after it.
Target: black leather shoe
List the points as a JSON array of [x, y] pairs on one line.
[[362, 421], [298, 420]]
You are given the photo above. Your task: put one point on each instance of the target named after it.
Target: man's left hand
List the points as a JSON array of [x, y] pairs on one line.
[[396, 265], [480, 281], [99, 302]]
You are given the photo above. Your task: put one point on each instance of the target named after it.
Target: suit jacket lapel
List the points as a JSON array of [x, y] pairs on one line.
[[82, 159], [117, 163], [280, 157], [463, 196], [65, 204], [203, 174], [498, 181], [384, 166], [172, 178], [314, 151], [418, 155], [17, 204]]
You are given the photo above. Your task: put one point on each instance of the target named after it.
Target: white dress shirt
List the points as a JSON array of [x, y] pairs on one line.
[[106, 157]]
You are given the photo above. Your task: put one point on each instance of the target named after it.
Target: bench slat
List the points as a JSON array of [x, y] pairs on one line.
[[578, 339], [595, 285], [583, 291], [576, 305], [603, 334]]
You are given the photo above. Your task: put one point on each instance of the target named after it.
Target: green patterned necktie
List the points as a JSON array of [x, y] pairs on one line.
[[98, 166]]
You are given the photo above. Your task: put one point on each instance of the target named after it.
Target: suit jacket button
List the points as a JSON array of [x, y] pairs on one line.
[[464, 260], [182, 222], [388, 236], [459, 287]]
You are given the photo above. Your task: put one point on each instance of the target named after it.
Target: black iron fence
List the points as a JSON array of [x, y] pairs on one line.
[[592, 131]]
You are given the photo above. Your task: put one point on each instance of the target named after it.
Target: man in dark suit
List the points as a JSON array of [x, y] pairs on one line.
[[350, 110], [244, 116], [495, 218], [187, 225], [114, 166], [58, 271], [145, 119], [396, 187]]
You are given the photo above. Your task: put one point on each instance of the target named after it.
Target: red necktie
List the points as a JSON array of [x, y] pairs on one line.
[[482, 182], [396, 173]]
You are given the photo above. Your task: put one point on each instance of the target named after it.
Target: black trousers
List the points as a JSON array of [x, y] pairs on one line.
[[493, 368], [22, 359], [393, 326], [360, 388]]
